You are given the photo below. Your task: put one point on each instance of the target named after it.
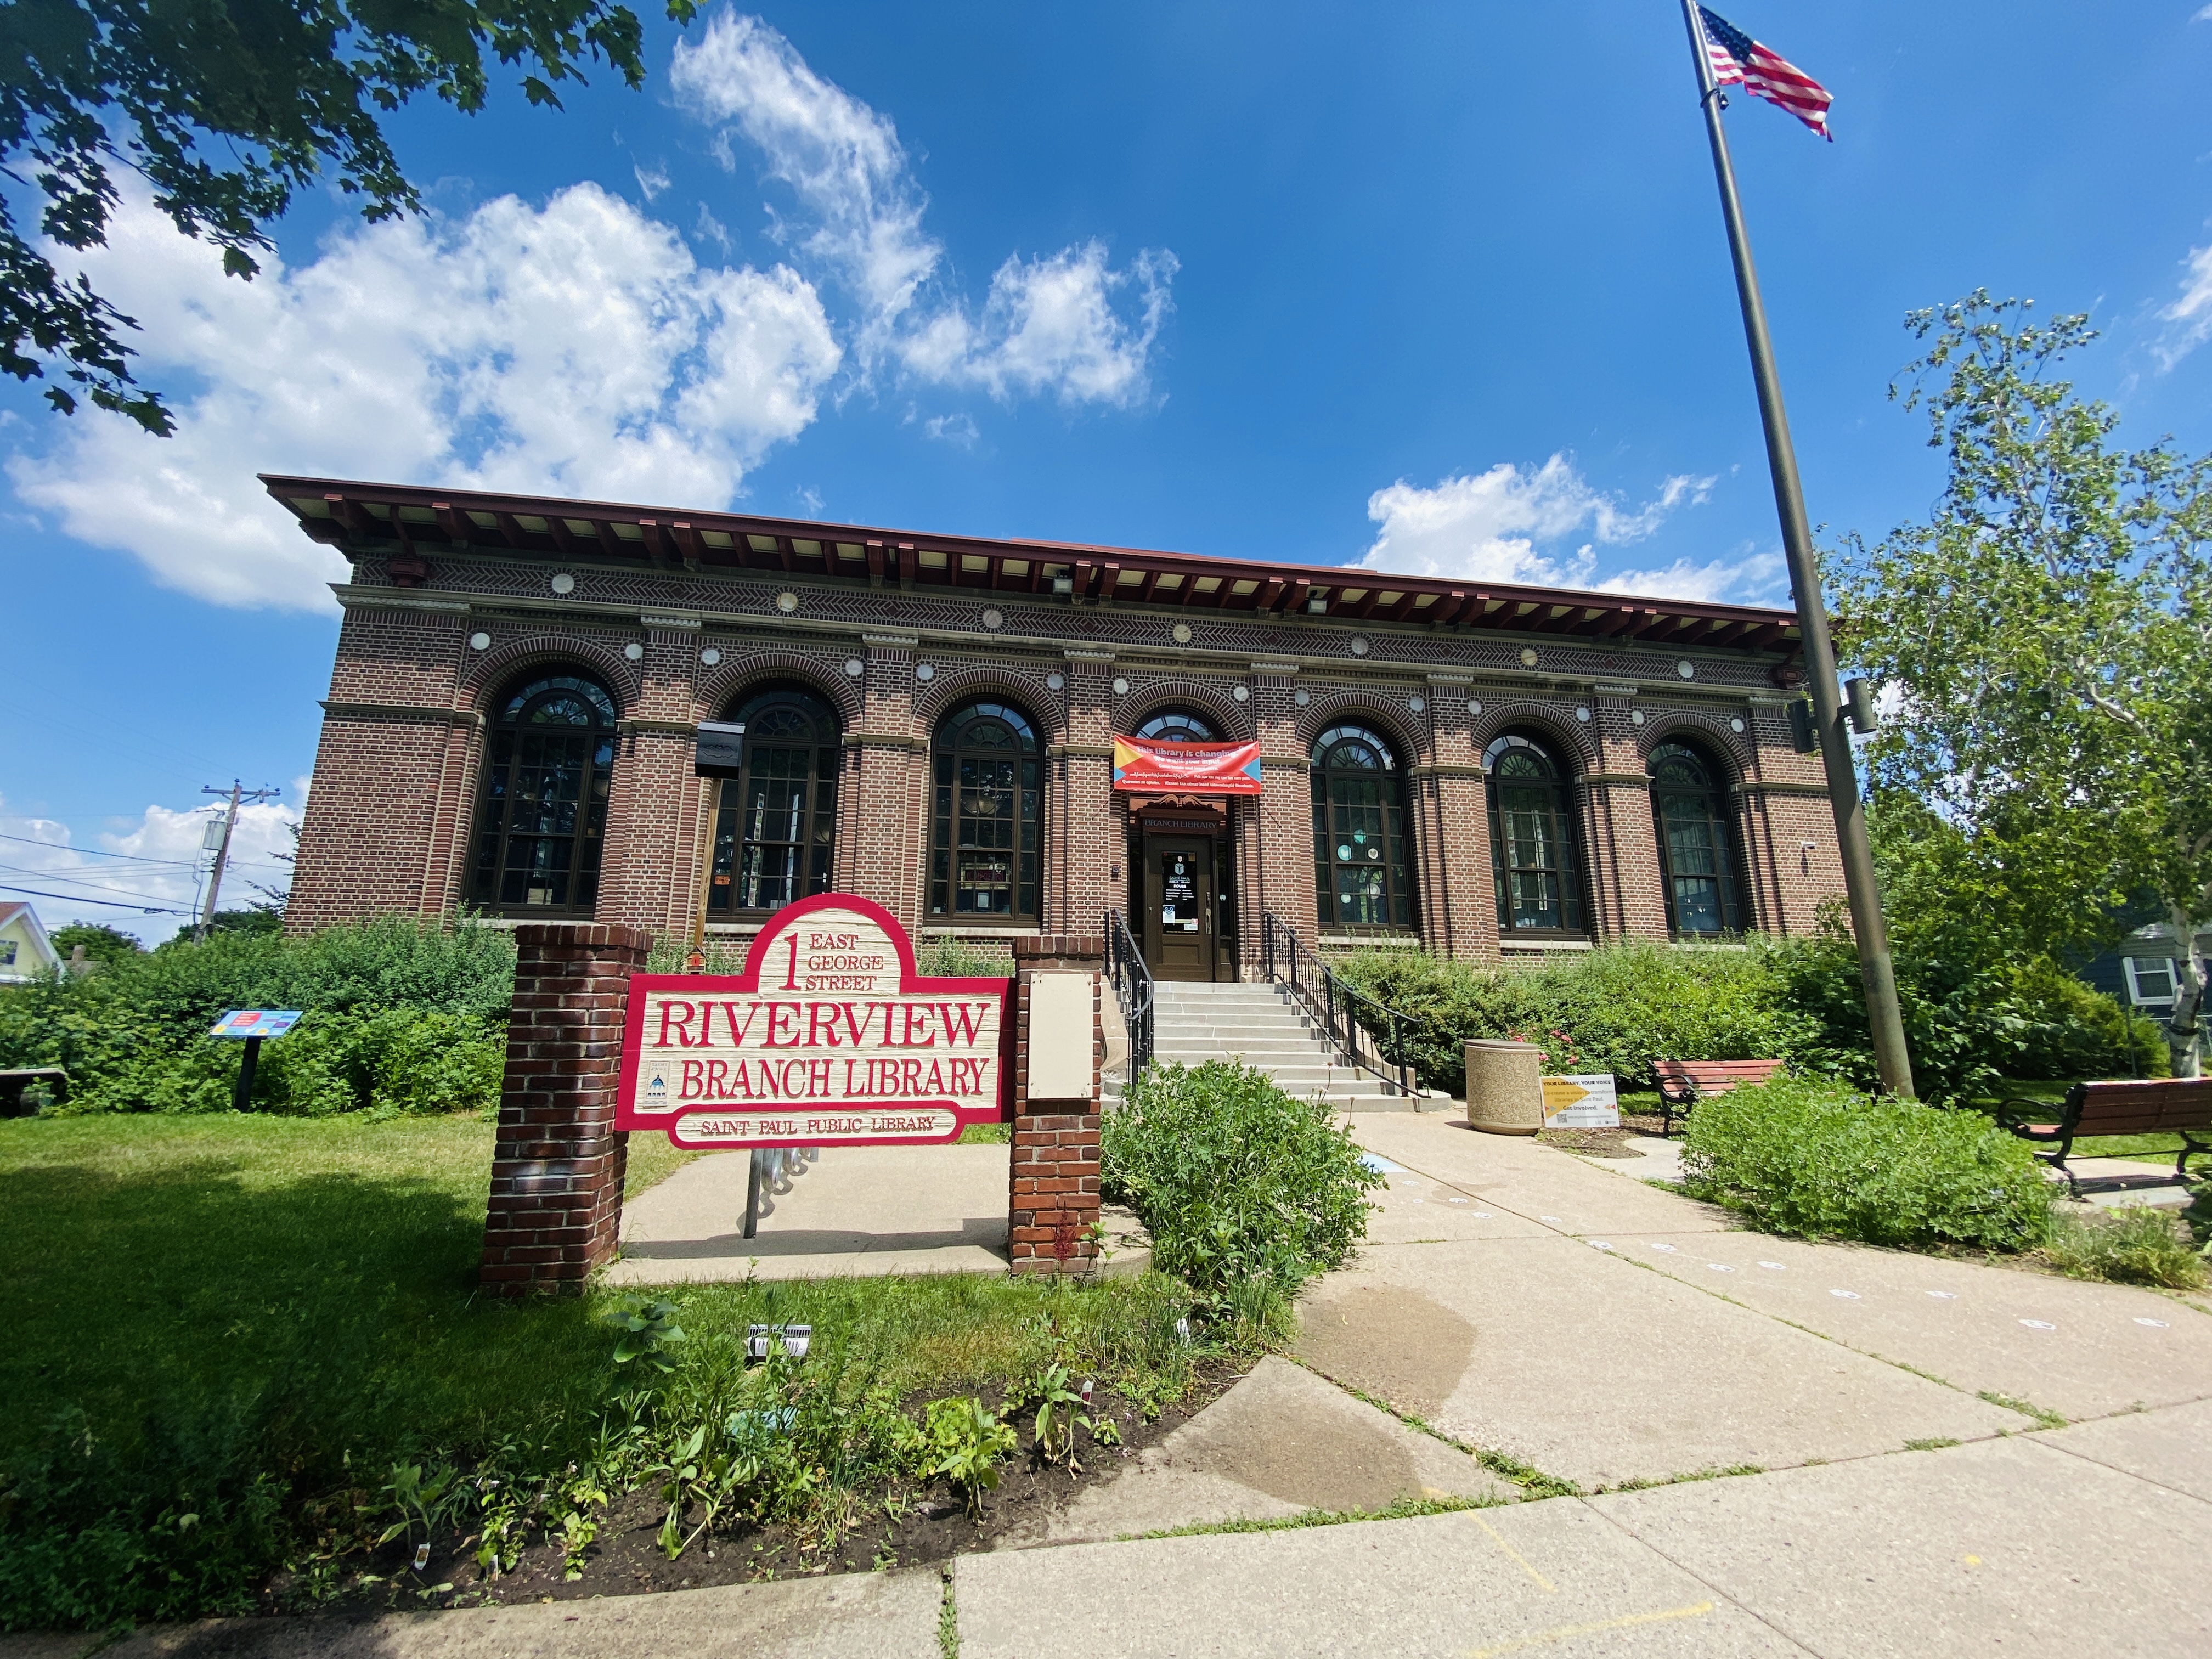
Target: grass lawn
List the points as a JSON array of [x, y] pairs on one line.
[[289, 1305]]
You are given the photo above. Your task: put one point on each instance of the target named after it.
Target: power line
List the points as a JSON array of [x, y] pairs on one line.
[[64, 875], [113, 904], [94, 852]]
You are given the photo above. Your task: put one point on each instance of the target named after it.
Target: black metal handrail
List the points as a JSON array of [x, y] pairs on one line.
[[1132, 989], [1332, 1004]]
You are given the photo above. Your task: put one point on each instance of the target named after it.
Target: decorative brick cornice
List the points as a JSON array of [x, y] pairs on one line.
[[401, 711]]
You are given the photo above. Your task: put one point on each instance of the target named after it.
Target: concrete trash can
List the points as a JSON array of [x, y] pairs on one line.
[[1505, 1088]]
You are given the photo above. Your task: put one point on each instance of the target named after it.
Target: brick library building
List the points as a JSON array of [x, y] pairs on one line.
[[550, 710]]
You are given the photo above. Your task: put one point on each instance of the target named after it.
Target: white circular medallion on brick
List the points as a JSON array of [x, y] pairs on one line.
[[1417, 704], [994, 620], [710, 656], [1181, 632], [1359, 647], [922, 670], [1686, 669], [480, 641], [1581, 713], [1241, 693], [786, 602], [633, 651], [1735, 726], [854, 667], [1528, 656], [1121, 688], [1475, 708], [1303, 698], [1055, 682], [1636, 716], [564, 583]]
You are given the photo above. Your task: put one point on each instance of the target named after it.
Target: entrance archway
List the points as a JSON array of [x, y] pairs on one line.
[[1181, 879]]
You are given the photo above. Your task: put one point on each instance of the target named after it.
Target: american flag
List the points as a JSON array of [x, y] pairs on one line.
[[1737, 59]]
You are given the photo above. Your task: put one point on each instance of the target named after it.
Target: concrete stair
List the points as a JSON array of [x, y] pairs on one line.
[[1262, 1026]]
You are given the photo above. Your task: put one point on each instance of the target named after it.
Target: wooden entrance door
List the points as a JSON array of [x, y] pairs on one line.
[[1177, 905]]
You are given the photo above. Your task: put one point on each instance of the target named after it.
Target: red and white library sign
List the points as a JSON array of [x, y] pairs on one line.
[[829, 1038]]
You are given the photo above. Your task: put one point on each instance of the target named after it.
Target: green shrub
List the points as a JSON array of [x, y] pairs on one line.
[[1240, 1184], [1809, 1156], [1618, 1008], [960, 958], [400, 1016], [2134, 1245], [2074, 1031]]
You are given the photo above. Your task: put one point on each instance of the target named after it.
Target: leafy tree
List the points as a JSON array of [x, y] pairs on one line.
[[226, 108], [2048, 626], [100, 944]]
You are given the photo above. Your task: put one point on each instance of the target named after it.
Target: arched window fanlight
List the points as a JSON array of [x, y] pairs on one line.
[[542, 812], [1361, 879], [1697, 843], [776, 829], [1532, 841], [987, 815], [1178, 725]]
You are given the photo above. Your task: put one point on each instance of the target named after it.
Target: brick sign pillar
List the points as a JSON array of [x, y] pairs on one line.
[[556, 1176], [1053, 1203]]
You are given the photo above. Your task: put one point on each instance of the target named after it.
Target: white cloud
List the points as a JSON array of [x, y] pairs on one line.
[[1049, 325], [577, 348], [161, 868], [2191, 314], [652, 180], [959, 429], [1493, 526]]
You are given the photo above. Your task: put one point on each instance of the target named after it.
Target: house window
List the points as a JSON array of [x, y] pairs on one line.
[[543, 811], [1177, 726], [1533, 841], [7, 953], [987, 816], [1360, 878], [1696, 844], [776, 822], [2150, 982]]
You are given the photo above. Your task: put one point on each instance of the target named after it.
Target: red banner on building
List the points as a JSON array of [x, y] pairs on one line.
[[1142, 766], [827, 1038]]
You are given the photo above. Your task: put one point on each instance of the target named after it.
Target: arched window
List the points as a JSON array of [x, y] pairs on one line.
[[1360, 877], [778, 816], [1532, 841], [1697, 843], [1178, 725], [543, 810], [986, 816]]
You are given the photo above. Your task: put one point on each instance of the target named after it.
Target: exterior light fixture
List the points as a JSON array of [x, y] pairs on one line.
[[1858, 698], [1317, 605], [1063, 585]]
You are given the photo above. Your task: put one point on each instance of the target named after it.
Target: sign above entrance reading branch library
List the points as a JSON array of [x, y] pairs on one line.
[[827, 1038], [1142, 766]]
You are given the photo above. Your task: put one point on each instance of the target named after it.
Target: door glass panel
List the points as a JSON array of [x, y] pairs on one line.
[[1179, 894]]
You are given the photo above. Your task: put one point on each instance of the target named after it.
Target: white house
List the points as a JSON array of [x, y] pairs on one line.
[[25, 950]]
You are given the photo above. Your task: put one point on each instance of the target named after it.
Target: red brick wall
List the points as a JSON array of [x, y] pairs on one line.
[[557, 1173], [397, 774], [1053, 1197]]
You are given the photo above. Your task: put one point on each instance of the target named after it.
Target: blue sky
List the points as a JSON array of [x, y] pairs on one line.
[[1439, 287]]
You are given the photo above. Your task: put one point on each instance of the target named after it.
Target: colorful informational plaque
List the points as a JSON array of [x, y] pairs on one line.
[[1581, 1102], [829, 1038], [256, 1023]]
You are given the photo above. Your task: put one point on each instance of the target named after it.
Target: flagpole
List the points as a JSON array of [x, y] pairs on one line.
[[1883, 1015]]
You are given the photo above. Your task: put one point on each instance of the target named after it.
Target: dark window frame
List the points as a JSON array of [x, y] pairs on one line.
[[1340, 821], [742, 810], [523, 769], [1158, 727], [1711, 814], [1557, 823], [986, 747]]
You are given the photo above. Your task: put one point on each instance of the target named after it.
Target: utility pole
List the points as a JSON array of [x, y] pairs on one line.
[[1883, 1015], [222, 851]]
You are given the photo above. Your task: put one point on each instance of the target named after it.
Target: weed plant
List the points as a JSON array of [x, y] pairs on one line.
[[1247, 1191], [2136, 1244], [1812, 1157]]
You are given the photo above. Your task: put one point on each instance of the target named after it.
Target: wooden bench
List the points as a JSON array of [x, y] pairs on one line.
[[2147, 1106], [13, 1084], [1684, 1082]]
